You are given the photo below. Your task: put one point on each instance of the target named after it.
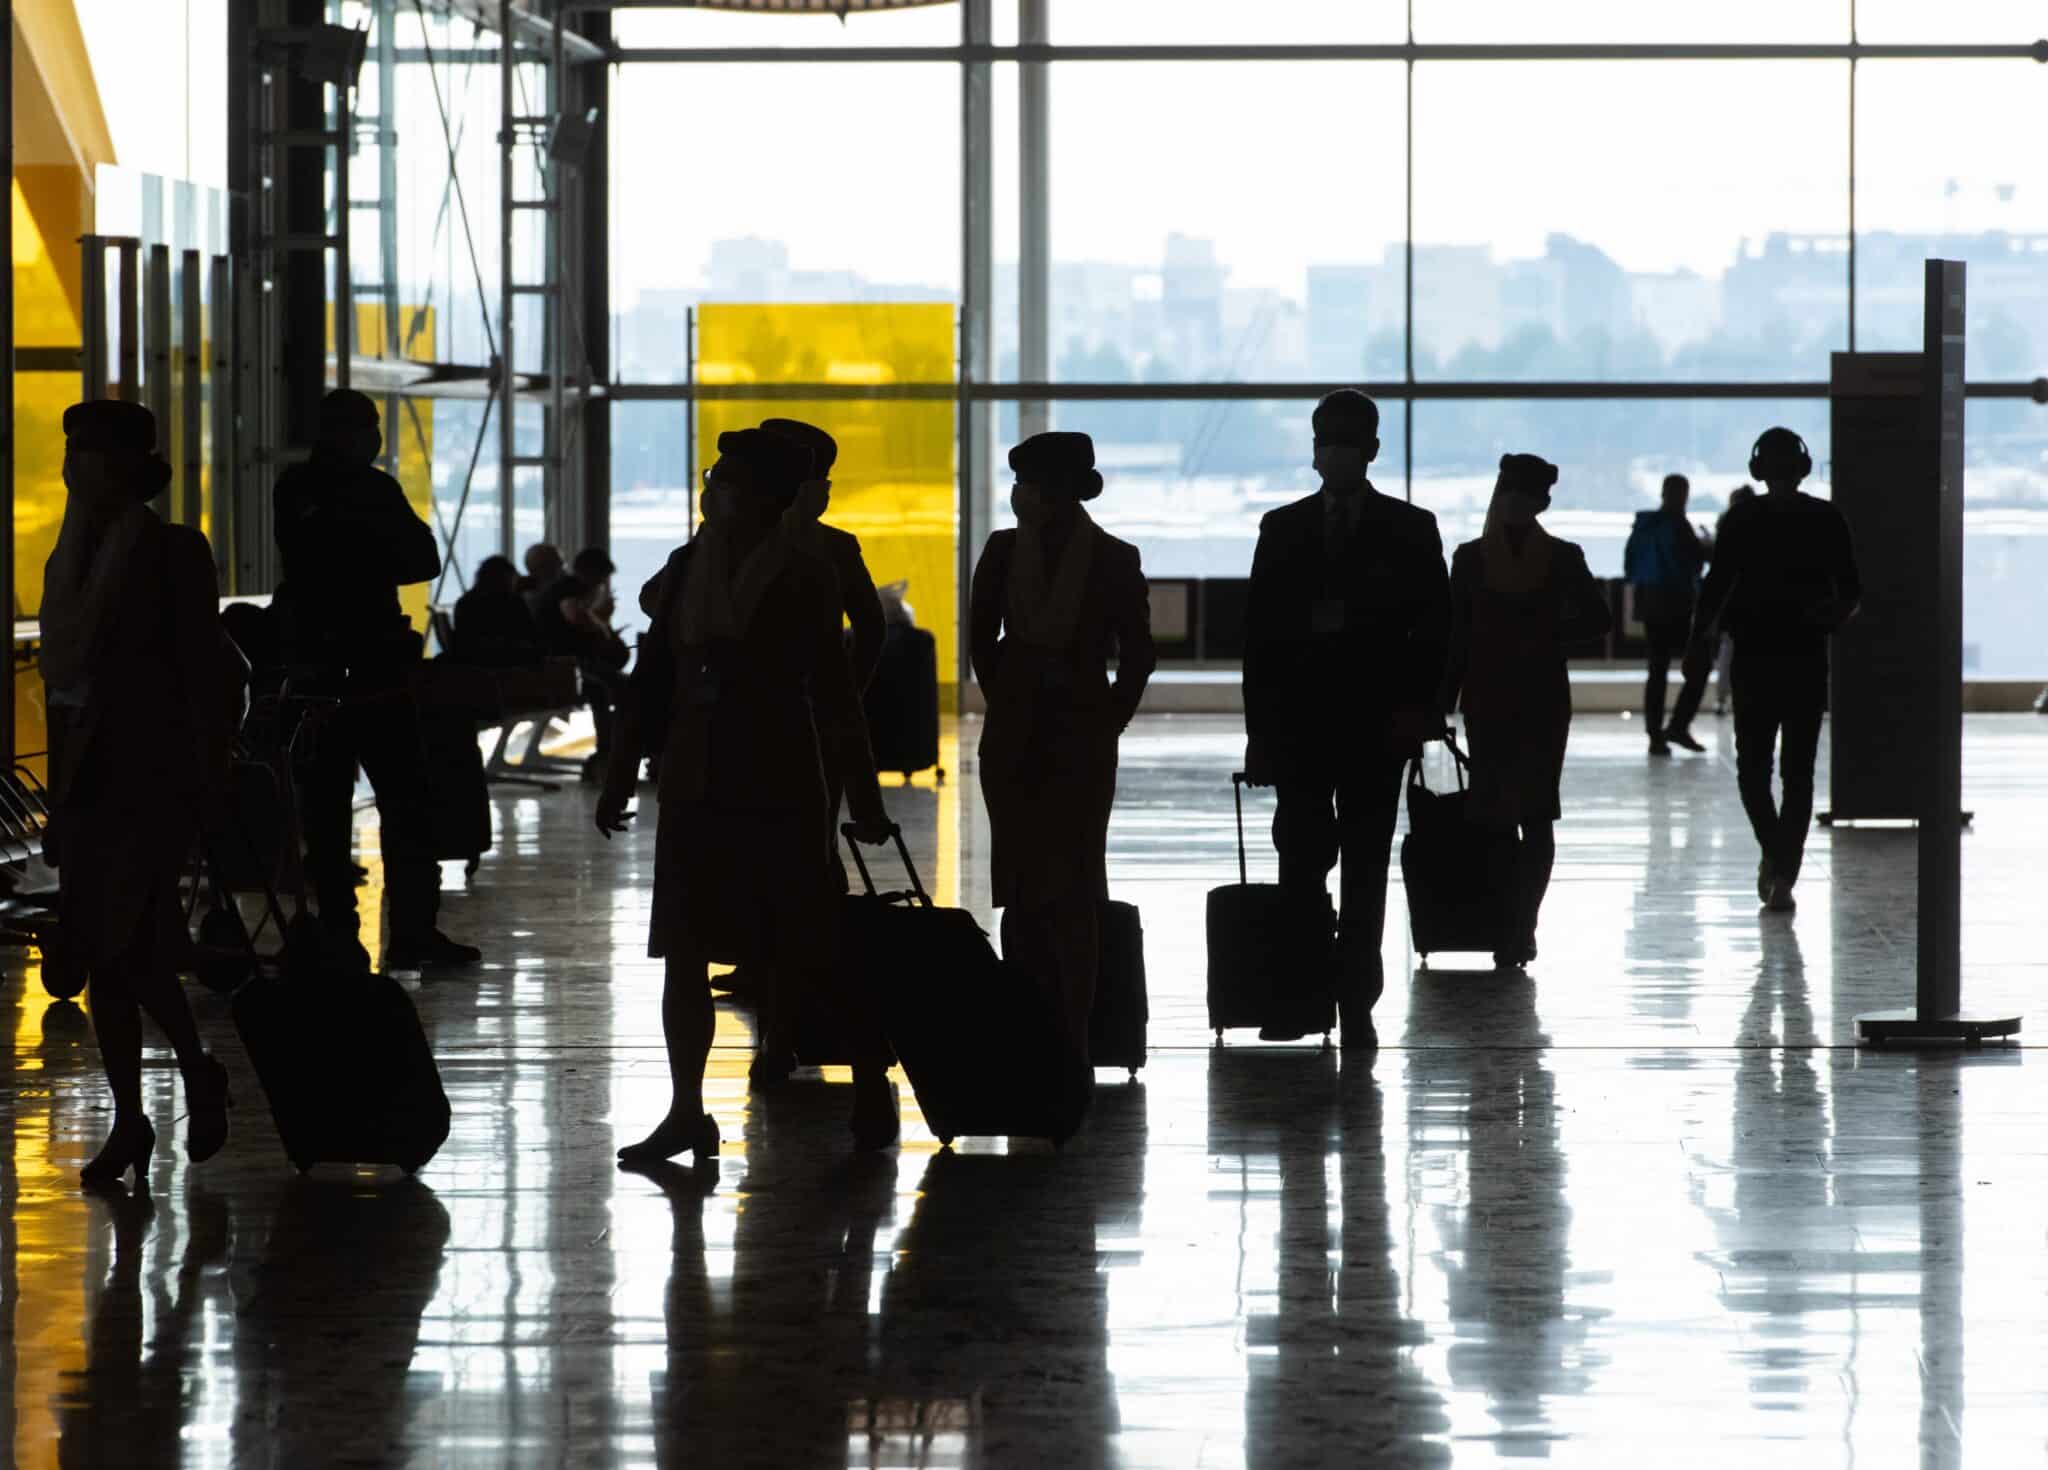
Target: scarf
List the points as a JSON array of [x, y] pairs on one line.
[[83, 582], [1047, 614], [1507, 570], [720, 598]]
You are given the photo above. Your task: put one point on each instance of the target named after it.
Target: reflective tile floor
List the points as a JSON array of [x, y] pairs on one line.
[[1647, 1207]]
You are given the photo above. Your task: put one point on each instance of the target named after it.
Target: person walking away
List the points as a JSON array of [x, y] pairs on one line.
[[760, 702], [1783, 581], [1520, 598], [133, 660], [1724, 646], [1346, 632], [348, 541], [1662, 561], [1052, 603]]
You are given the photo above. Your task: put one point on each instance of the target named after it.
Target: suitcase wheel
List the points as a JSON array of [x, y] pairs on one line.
[[1326, 1041], [946, 1141], [1219, 1036], [1133, 1077], [302, 1165]]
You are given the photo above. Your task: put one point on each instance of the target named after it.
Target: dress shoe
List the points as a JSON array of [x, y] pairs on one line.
[[435, 951], [128, 1146], [207, 1102], [1684, 740]]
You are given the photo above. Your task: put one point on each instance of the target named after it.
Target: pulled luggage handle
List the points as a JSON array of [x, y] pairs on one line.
[[1460, 761], [924, 900], [1237, 784]]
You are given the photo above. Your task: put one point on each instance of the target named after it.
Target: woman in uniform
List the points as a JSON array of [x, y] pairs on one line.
[[1054, 601], [1520, 598], [746, 645], [133, 665]]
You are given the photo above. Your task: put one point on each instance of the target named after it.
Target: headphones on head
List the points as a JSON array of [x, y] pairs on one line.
[[1799, 459]]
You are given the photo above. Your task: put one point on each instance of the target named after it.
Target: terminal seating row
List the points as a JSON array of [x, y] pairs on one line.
[[515, 705], [1202, 620]]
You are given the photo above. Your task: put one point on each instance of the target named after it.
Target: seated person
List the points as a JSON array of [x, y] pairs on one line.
[[493, 626], [574, 619], [544, 568]]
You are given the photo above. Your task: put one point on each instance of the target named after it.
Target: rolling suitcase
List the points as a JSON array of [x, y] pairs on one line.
[[1269, 952], [978, 1041], [346, 1067], [1122, 1008], [1458, 874], [902, 703]]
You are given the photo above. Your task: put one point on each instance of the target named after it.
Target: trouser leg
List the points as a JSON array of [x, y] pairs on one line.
[[394, 757], [1805, 706], [1368, 807], [1692, 691], [1658, 679], [327, 787], [1758, 716]]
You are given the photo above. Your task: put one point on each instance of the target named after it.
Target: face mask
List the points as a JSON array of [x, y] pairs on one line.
[[1341, 465], [813, 499], [716, 502], [1029, 502]]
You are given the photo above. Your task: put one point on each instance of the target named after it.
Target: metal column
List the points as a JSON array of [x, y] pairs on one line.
[[1034, 215], [156, 353], [190, 493], [977, 304]]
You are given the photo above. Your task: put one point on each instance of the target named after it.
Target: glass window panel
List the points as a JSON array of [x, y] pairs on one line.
[[1952, 23], [1950, 164], [1612, 220], [846, 189], [937, 25], [1225, 222], [2005, 538], [894, 483], [1611, 457], [1619, 21], [651, 501], [1187, 482], [1223, 22]]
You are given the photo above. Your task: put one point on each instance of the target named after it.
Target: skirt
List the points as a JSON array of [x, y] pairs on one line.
[[1517, 768], [743, 886]]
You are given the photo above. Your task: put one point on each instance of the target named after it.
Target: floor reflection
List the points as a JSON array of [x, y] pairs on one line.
[[1644, 1207]]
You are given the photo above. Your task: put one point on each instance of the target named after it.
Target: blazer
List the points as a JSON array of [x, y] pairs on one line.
[[752, 721], [1509, 650], [1348, 640], [1115, 622]]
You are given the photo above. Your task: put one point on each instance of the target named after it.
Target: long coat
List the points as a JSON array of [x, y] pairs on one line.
[[1048, 744], [131, 770]]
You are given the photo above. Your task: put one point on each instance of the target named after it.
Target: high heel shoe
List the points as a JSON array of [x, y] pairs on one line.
[[876, 1123], [672, 1137], [127, 1147], [206, 1102]]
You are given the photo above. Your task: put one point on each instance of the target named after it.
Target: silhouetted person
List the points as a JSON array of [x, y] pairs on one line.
[[544, 567], [492, 624], [349, 541], [841, 551], [1520, 598], [1783, 580], [1663, 561], [573, 617], [761, 703], [1724, 646], [1053, 602], [1346, 629], [133, 662]]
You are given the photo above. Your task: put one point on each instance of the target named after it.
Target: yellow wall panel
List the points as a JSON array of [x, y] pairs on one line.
[[894, 483]]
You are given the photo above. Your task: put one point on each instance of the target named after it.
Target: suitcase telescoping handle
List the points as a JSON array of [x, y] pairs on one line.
[[867, 880], [1237, 780]]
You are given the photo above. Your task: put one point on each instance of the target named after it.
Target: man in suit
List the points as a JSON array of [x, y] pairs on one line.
[[1346, 634]]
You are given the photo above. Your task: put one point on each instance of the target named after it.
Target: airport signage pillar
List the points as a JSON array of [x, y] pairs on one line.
[[1937, 731]]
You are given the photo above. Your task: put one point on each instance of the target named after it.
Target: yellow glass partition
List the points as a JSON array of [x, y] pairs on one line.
[[893, 484]]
